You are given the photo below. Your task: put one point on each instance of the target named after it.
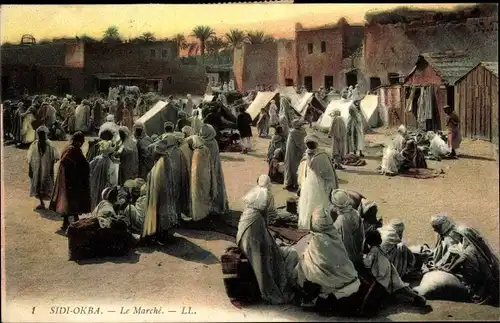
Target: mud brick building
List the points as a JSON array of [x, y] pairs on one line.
[[322, 54], [390, 51], [270, 64], [81, 68]]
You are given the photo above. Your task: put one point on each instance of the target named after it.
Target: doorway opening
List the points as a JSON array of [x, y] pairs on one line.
[[328, 82], [308, 83], [351, 78]]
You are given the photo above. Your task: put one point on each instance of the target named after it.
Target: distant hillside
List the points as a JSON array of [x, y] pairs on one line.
[[408, 15]]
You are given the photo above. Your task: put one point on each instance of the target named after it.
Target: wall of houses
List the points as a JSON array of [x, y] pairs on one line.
[[476, 102], [387, 49], [47, 54], [156, 60], [395, 48], [287, 62], [255, 64], [320, 64]]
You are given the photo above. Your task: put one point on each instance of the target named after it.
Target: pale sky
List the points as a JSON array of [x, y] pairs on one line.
[[49, 21]]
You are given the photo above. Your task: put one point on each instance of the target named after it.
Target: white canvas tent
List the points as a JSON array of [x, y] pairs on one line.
[[290, 92], [301, 105], [325, 121], [208, 98], [261, 101], [369, 107], [154, 119]]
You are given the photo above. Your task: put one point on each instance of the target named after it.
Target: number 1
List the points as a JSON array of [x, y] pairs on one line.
[[33, 311]]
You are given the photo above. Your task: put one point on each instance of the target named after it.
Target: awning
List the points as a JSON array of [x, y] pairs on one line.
[[111, 76]]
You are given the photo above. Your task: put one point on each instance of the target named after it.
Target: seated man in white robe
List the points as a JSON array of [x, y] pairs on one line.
[[325, 272], [349, 224], [395, 249], [385, 272], [273, 266]]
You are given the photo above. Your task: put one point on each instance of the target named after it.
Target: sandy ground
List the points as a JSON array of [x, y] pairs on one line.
[[38, 275]]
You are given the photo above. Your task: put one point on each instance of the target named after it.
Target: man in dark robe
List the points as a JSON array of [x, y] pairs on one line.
[[145, 158], [97, 114], [71, 194], [453, 126], [413, 156], [244, 126], [278, 141], [119, 111], [7, 117], [183, 121], [129, 158], [295, 148]]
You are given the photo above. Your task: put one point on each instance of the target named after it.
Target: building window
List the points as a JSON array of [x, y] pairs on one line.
[[323, 46], [375, 83], [164, 53], [310, 48], [393, 78], [153, 53]]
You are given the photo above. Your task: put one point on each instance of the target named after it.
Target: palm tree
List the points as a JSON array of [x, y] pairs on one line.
[[215, 45], [235, 38], [147, 37], [180, 40], [269, 39], [203, 33], [111, 34], [255, 37]]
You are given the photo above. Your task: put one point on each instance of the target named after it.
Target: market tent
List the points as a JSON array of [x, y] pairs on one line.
[[370, 109], [325, 121], [291, 93], [261, 101], [301, 106], [154, 119], [208, 98]]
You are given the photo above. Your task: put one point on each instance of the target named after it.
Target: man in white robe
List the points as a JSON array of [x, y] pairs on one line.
[[42, 156], [82, 117], [320, 179], [188, 107], [355, 130], [325, 261], [295, 149], [273, 114], [338, 133]]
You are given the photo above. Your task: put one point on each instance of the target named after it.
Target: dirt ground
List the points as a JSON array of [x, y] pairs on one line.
[[37, 274]]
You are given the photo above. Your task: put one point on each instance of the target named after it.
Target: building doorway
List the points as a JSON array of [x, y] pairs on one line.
[[328, 82], [351, 78], [308, 83], [63, 86], [288, 82], [450, 96]]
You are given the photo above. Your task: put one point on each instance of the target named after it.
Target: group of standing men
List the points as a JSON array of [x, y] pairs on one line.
[[178, 174]]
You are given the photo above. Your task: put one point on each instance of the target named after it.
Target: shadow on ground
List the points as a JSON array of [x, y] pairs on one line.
[[231, 158], [48, 214], [361, 172], [464, 156], [131, 258], [182, 248]]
